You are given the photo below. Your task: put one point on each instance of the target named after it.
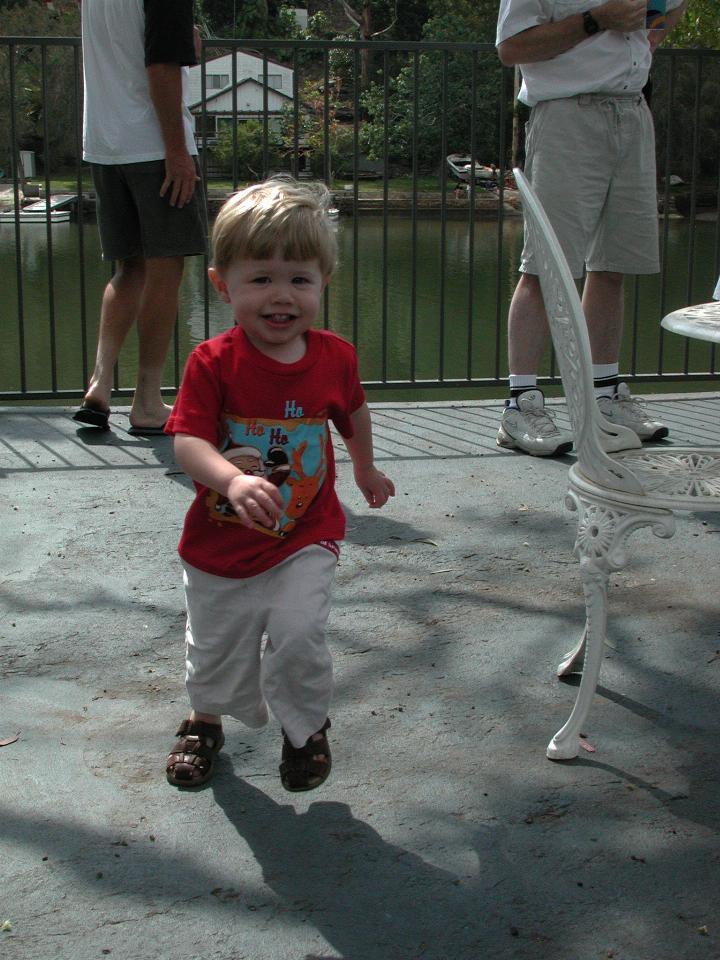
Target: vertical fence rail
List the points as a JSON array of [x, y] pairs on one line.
[[507, 80], [471, 222], [14, 160], [415, 323], [414, 218], [355, 197], [693, 205], [386, 195], [716, 257], [204, 165], [670, 94], [327, 162], [48, 226], [77, 114], [443, 214]]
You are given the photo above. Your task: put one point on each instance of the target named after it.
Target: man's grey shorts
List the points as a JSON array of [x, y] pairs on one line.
[[591, 161], [135, 221]]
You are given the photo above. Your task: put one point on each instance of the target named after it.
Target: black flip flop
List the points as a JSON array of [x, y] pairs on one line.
[[91, 416], [147, 431]]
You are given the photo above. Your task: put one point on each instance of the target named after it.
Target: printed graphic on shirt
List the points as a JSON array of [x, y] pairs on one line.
[[290, 453]]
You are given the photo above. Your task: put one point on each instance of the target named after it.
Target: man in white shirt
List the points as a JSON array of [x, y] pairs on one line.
[[138, 138], [590, 156]]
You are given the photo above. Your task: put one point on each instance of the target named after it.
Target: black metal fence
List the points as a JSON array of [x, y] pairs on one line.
[[355, 111]]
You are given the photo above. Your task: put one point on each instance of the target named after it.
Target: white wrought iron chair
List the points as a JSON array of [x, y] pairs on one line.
[[613, 494]]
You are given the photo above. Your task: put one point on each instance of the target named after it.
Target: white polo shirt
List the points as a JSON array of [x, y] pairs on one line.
[[606, 62], [120, 38]]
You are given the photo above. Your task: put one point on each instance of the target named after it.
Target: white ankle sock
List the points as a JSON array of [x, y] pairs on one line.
[[518, 382], [605, 379]]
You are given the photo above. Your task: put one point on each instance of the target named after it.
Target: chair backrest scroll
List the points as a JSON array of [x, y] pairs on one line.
[[572, 347]]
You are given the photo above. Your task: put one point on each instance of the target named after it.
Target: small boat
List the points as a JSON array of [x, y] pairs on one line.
[[461, 164], [57, 209]]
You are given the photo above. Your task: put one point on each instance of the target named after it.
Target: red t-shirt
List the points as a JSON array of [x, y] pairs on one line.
[[271, 420]]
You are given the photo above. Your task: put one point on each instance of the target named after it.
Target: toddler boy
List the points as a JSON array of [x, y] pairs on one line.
[[259, 544]]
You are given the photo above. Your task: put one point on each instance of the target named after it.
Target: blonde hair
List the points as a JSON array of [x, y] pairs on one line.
[[279, 213]]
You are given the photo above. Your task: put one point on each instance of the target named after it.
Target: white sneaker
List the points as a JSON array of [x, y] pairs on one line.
[[532, 428], [627, 410]]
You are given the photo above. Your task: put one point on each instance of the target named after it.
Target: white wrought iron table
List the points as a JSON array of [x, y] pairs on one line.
[[700, 321]]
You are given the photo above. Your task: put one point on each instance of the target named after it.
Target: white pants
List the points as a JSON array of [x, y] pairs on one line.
[[226, 621]]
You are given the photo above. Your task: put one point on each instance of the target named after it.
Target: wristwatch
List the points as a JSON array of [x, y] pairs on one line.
[[590, 24]]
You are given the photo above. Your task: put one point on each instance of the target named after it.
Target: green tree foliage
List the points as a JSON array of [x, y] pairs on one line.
[[252, 19], [329, 156], [259, 19], [473, 20], [31, 18], [217, 17], [412, 16], [250, 155], [700, 27], [61, 17], [34, 18], [369, 18], [445, 95], [320, 27]]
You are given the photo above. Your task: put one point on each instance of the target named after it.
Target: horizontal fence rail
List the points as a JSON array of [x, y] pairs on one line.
[[429, 253]]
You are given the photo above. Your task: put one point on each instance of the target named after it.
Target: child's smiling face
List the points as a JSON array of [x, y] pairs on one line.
[[275, 301]]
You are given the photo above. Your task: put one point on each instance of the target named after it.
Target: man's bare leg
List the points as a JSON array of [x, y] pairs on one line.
[[603, 303], [155, 324], [118, 312], [527, 326], [604, 306]]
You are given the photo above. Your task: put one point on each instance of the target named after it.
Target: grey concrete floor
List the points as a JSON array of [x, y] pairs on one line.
[[443, 832]]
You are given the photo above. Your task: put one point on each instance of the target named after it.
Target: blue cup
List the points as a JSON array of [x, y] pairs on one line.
[[655, 16]]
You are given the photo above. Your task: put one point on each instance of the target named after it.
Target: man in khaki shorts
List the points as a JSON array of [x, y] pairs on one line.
[[590, 156], [138, 138]]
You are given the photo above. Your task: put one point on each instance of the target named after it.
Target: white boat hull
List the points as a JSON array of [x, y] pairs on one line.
[[56, 216], [58, 210]]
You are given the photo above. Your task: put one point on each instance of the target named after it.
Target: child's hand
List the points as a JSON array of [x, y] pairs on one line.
[[375, 486], [255, 500]]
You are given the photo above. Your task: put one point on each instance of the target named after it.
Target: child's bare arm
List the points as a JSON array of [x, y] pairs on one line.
[[375, 486], [254, 499]]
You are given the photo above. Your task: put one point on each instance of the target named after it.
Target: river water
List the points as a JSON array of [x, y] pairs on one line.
[[451, 328]]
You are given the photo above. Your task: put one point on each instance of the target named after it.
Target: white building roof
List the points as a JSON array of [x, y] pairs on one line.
[[249, 97], [248, 66]]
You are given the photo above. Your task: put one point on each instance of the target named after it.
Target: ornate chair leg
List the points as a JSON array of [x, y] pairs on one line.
[[603, 530], [564, 745]]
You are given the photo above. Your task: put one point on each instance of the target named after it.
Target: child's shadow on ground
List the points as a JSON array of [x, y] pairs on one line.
[[368, 898]]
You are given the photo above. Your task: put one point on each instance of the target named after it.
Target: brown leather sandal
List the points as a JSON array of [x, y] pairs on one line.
[[300, 770], [191, 761]]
